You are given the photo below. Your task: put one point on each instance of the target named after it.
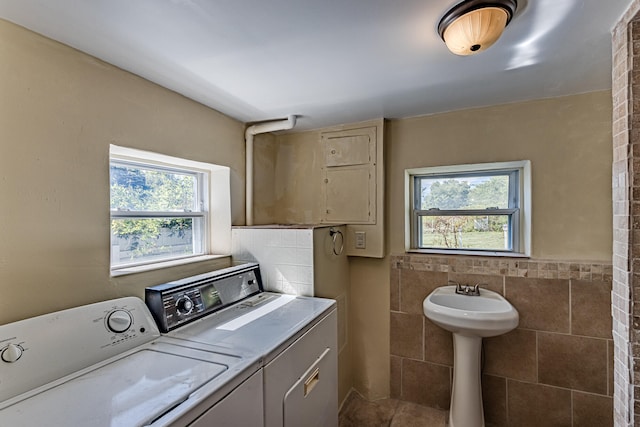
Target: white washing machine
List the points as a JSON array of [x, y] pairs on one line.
[[106, 364]]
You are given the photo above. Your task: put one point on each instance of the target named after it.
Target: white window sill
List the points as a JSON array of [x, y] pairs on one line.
[[165, 264], [466, 253]]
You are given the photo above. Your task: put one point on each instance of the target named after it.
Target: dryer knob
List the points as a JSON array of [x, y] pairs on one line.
[[11, 353], [184, 305], [119, 321]]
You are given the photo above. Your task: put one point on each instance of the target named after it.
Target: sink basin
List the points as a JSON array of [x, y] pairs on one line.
[[486, 315], [470, 318]]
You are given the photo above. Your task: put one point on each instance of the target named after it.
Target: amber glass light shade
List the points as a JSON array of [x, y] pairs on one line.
[[473, 26]]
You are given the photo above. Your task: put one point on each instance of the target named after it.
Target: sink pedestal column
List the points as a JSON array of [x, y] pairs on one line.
[[469, 318], [466, 397]]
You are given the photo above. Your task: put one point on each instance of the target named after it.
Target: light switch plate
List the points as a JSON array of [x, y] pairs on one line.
[[361, 240]]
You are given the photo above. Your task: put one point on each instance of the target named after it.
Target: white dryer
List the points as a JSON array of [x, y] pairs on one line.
[[295, 338]]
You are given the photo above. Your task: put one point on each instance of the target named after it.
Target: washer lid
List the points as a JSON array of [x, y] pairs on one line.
[[131, 391]]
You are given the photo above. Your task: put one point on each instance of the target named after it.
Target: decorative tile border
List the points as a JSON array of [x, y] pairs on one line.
[[510, 267]]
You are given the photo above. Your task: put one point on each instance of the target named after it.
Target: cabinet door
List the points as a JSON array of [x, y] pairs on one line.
[[350, 176], [344, 149], [243, 407], [349, 196]]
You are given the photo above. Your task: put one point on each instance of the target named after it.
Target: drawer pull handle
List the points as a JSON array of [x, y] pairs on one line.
[[311, 382]]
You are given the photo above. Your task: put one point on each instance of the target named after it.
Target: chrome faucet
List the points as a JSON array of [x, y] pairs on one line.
[[468, 290]]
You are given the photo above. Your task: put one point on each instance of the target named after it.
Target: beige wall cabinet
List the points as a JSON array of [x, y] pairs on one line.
[[350, 176], [352, 188]]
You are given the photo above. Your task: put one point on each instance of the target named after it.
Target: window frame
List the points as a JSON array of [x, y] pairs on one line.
[[214, 211], [518, 210]]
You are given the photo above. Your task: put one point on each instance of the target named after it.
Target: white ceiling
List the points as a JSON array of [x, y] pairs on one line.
[[333, 61]]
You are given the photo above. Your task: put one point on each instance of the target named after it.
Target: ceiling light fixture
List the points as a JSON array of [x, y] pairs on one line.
[[474, 25]]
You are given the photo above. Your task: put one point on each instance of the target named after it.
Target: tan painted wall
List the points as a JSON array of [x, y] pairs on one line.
[[59, 111], [568, 141], [370, 327], [264, 175], [299, 159], [298, 162]]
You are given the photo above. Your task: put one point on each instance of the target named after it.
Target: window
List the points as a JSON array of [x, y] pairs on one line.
[[160, 208], [481, 209]]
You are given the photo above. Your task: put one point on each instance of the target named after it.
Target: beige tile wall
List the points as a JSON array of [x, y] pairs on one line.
[[555, 369], [626, 219]]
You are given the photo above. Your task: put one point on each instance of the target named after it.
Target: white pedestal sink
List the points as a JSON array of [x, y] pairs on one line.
[[470, 318]]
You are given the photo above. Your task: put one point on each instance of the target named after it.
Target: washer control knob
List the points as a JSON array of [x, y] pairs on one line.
[[11, 353], [184, 305], [119, 321]]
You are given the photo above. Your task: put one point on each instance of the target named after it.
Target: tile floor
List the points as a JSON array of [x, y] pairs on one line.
[[358, 412]]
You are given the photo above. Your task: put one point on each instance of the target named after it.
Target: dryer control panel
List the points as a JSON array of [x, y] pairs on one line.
[[175, 303]]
